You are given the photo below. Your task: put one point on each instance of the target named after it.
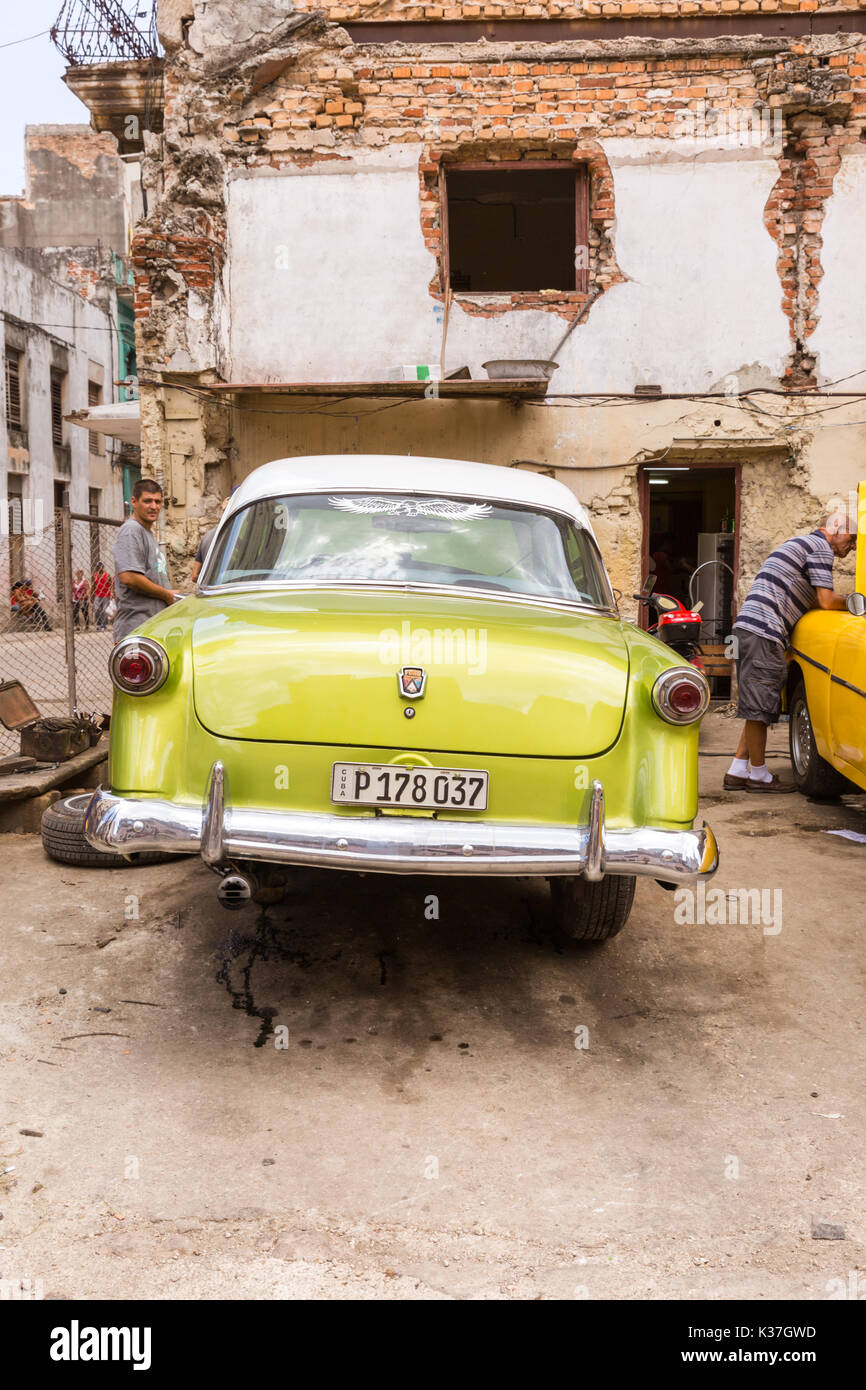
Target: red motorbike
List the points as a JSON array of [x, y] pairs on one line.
[[677, 626]]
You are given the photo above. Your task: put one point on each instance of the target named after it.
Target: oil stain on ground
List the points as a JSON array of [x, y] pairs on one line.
[[244, 951]]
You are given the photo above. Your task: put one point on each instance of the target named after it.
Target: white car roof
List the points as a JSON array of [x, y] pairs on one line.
[[408, 474]]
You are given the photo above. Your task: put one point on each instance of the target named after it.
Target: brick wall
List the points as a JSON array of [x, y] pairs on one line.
[[162, 261], [373, 10], [81, 277], [374, 103], [79, 145]]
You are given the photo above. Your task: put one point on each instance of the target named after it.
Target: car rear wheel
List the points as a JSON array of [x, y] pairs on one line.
[[63, 838], [585, 911], [813, 774]]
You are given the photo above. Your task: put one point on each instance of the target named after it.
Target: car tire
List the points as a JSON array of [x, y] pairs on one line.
[[585, 911], [63, 838], [813, 775]]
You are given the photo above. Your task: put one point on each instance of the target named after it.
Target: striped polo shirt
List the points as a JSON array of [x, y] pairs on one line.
[[784, 587]]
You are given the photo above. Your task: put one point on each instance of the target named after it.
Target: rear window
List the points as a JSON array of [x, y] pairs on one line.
[[401, 539]]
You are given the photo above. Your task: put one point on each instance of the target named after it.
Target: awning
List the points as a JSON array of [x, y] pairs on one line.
[[120, 420]]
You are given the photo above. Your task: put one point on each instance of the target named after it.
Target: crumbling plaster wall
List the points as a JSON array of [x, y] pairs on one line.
[[310, 116], [219, 122], [73, 213], [595, 449], [308, 247], [254, 127], [187, 447]]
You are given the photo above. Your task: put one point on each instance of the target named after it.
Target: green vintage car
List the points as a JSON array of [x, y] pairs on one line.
[[407, 665]]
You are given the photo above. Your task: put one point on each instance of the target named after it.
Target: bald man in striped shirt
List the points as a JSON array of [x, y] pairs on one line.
[[797, 576]]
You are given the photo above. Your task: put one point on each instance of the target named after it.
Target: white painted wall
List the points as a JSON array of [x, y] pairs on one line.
[[328, 272], [328, 276], [838, 339]]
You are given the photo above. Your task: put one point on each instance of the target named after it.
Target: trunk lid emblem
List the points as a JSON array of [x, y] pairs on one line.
[[411, 681]]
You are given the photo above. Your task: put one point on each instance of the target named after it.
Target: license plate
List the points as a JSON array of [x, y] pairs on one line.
[[419, 788]]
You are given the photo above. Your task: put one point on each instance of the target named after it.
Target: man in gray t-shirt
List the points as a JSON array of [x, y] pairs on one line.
[[140, 575]]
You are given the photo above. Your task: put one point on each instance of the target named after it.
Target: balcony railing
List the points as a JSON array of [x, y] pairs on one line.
[[106, 31]]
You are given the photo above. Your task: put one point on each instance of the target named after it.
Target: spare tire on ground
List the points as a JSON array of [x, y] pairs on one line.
[[63, 838]]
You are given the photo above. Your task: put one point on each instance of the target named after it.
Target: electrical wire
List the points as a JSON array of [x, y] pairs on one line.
[[76, 327], [13, 42], [838, 425], [578, 401], [203, 395]]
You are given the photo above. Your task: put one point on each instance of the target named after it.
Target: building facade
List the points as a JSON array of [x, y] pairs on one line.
[[665, 199], [73, 224], [58, 352]]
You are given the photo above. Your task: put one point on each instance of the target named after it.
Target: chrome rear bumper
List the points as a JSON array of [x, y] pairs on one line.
[[395, 844]]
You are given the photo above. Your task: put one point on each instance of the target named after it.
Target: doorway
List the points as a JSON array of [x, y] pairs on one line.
[[690, 514]]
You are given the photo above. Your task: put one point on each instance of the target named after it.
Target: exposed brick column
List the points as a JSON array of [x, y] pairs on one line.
[[820, 104], [157, 256], [794, 217]]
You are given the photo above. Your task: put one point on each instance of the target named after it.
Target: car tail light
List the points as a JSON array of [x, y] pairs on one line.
[[682, 695], [138, 666]]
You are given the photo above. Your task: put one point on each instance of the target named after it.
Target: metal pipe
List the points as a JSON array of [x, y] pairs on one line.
[[68, 611]]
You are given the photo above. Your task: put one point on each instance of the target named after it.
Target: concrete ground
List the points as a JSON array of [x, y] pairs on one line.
[[437, 1126]]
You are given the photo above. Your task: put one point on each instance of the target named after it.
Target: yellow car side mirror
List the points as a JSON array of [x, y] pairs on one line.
[[856, 604]]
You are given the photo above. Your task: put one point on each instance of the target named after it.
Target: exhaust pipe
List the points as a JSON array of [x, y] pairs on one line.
[[234, 891]]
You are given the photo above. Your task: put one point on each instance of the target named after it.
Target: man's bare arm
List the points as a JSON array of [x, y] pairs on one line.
[[134, 580], [828, 598]]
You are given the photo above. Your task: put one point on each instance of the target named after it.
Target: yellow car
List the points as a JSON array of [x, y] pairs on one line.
[[826, 693]]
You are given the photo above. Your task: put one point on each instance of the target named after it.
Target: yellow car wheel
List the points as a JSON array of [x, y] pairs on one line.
[[813, 774]]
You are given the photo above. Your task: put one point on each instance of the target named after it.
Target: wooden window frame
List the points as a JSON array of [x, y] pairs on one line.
[[94, 502], [15, 513], [14, 417], [94, 397], [581, 212], [58, 381]]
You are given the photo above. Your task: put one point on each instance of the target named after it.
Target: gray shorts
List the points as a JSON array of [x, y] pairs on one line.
[[761, 675]]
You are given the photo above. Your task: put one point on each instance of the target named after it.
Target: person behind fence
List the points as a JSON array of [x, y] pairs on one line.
[[796, 577], [101, 591], [141, 576], [81, 600], [28, 611]]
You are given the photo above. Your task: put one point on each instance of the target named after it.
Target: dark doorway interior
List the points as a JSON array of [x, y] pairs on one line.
[[690, 515]]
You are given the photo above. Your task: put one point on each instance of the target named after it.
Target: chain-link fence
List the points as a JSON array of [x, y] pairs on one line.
[[55, 629]]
